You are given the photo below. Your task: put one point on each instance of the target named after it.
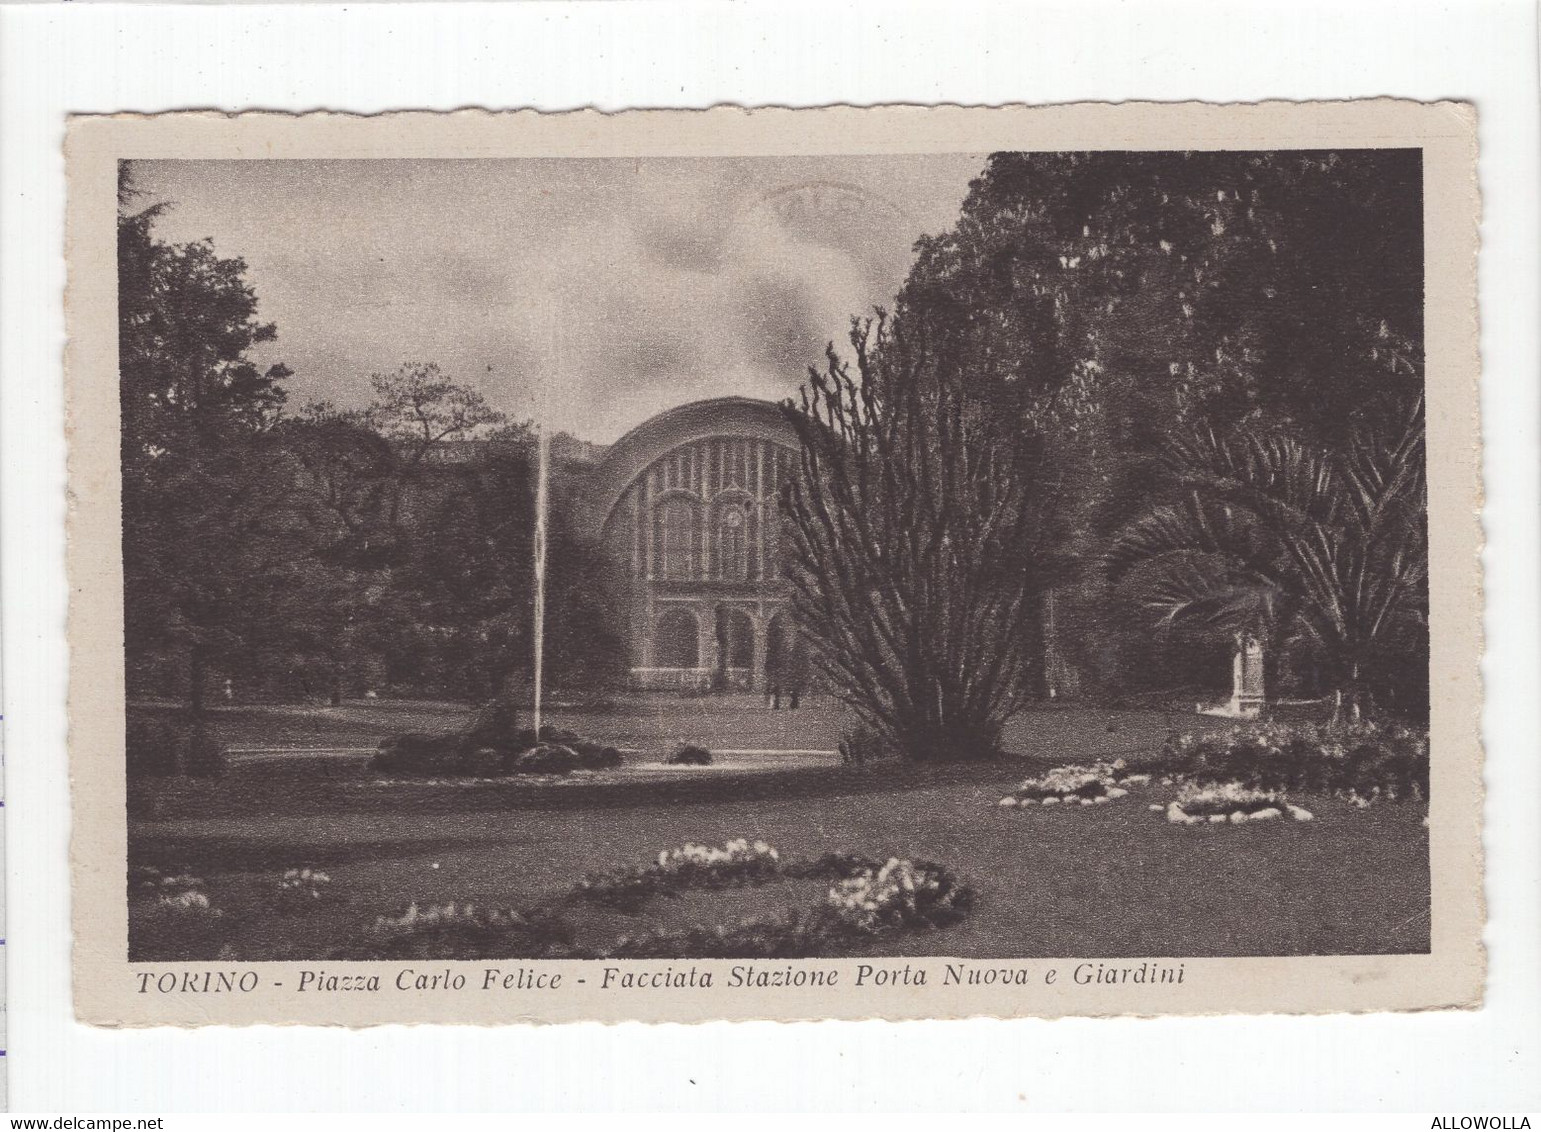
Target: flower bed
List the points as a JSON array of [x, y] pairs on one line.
[[692, 866], [1361, 764], [899, 894], [1231, 803], [867, 897], [861, 897], [1075, 785], [463, 931]]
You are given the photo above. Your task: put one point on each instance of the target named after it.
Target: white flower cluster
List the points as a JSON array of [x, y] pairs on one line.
[[1091, 785], [736, 852], [188, 900], [897, 894], [180, 892], [445, 915], [303, 884], [1230, 802]]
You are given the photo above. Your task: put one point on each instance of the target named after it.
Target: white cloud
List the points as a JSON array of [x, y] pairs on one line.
[[673, 279]]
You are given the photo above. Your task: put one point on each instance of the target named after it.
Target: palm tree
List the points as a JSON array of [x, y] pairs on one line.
[[1268, 535]]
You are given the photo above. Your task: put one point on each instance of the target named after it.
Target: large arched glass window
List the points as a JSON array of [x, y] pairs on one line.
[[676, 525]]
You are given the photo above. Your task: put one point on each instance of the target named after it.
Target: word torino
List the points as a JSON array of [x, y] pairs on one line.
[[198, 982]]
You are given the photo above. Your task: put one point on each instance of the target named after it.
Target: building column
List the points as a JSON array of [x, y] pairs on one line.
[[706, 629], [757, 626], [644, 626]]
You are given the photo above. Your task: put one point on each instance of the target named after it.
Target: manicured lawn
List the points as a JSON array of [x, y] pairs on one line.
[[1109, 880]]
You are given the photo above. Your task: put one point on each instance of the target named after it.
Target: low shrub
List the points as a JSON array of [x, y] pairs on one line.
[[496, 726], [596, 756], [1072, 784], [692, 866], [901, 894], [690, 755], [868, 896], [547, 758], [1363, 763], [168, 888], [555, 758], [446, 756], [625, 889], [462, 931]]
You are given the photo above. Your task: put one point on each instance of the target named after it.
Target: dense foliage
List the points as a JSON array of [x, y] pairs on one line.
[[1265, 535], [324, 553], [1115, 307]]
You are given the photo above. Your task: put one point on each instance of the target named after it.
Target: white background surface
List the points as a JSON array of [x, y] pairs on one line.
[[59, 59]]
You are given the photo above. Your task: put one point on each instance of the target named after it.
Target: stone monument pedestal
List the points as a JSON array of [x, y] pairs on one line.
[[1248, 695]]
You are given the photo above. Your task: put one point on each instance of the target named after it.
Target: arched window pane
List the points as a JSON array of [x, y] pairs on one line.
[[733, 542], [677, 642], [675, 539]]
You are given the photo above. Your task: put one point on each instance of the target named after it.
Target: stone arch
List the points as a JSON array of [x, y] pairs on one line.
[[677, 639], [736, 633], [629, 457]]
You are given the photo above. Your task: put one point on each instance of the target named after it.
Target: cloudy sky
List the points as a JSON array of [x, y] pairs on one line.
[[597, 292]]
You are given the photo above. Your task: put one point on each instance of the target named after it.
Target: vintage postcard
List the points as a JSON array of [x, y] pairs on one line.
[[777, 564]]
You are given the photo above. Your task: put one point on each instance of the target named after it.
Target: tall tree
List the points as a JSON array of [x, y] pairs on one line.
[[913, 549], [215, 533], [1111, 300], [419, 408], [465, 584], [1139, 288]]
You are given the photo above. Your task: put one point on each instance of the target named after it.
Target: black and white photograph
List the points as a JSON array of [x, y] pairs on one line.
[[775, 558], [925, 561]]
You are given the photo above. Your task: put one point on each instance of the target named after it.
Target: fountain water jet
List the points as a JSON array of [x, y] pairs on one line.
[[553, 368], [538, 620]]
